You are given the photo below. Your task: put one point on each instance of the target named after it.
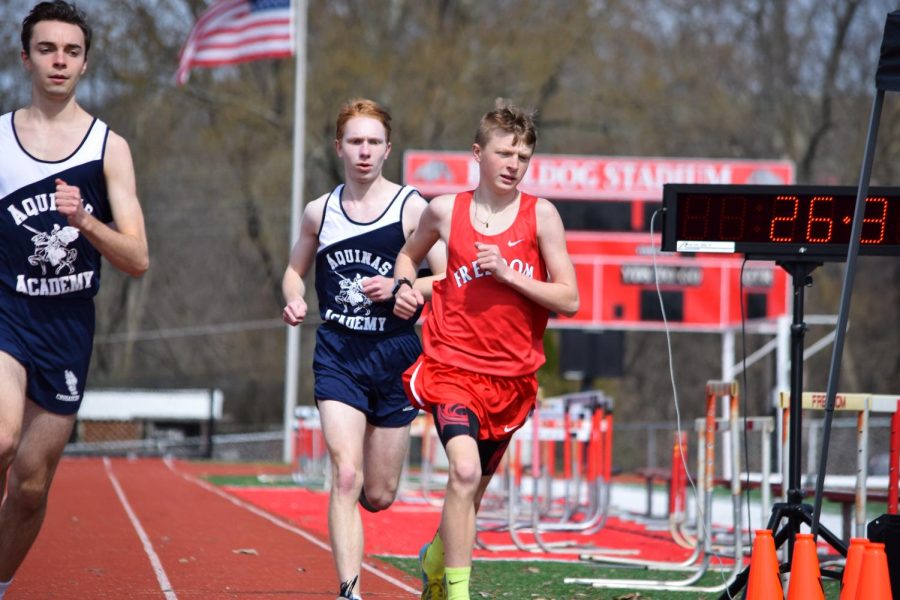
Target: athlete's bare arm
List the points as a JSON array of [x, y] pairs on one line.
[[437, 254], [379, 288], [302, 254], [124, 244], [437, 263], [560, 293], [429, 238]]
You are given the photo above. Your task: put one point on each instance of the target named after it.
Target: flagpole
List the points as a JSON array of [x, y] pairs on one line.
[[292, 360]]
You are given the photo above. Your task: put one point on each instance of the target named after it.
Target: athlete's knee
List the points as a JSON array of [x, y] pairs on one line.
[[376, 499], [29, 493], [373, 504], [347, 479], [465, 473]]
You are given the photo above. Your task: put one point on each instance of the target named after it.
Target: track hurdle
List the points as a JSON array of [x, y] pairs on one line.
[[863, 405], [764, 426], [599, 471], [573, 499], [703, 550], [678, 481], [311, 460]]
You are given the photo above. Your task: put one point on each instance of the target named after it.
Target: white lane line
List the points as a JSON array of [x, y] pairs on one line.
[[161, 576], [283, 524]]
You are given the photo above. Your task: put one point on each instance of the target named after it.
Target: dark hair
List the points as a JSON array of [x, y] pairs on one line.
[[57, 10], [508, 118]]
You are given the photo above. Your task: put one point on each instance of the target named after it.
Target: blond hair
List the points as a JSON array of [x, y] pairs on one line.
[[507, 118]]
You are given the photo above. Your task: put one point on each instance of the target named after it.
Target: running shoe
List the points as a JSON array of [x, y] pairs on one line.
[[346, 587], [432, 587]]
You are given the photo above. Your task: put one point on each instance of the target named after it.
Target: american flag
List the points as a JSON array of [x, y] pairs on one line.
[[234, 31]]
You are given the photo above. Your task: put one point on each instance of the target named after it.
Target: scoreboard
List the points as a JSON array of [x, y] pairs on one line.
[[606, 204], [617, 283], [810, 223]]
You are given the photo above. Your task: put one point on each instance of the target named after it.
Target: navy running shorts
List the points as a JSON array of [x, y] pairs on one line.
[[364, 372], [53, 339]]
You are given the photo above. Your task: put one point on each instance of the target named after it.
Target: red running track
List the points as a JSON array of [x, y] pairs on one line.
[[133, 529]]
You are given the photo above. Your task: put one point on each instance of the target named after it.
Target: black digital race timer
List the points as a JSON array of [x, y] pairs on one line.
[[792, 222]]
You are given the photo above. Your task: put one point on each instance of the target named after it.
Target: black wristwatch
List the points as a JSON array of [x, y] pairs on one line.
[[398, 283]]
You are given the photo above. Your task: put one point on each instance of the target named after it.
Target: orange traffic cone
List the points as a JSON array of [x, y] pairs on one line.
[[850, 579], [806, 578], [764, 581], [874, 577]]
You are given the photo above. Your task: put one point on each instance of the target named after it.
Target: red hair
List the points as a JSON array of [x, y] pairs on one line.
[[362, 107]]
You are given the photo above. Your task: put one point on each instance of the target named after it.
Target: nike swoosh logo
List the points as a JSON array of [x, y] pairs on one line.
[[408, 408], [514, 243], [507, 428], [455, 582]]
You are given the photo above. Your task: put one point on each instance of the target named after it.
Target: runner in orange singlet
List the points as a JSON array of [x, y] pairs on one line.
[[507, 269]]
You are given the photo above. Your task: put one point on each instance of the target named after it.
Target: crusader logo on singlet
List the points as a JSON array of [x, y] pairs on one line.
[[51, 250], [353, 299], [355, 305], [352, 295]]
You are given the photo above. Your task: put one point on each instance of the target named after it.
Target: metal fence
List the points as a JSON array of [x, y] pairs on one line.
[[649, 444], [236, 447], [636, 445]]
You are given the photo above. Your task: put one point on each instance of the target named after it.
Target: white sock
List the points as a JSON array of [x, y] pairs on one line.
[[3, 587]]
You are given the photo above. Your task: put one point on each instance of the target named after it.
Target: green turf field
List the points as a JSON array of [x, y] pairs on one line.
[[544, 580]]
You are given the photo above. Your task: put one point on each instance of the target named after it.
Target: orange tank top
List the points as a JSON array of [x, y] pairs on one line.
[[477, 323]]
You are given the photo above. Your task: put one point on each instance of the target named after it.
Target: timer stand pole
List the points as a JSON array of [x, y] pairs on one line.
[[846, 291], [887, 78], [793, 510]]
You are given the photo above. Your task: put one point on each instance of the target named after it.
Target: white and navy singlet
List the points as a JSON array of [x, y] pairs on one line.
[[49, 272], [348, 253], [41, 254]]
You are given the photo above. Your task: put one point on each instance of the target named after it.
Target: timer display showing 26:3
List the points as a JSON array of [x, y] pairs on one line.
[[786, 218]]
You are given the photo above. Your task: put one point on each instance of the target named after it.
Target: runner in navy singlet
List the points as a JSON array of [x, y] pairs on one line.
[[67, 197], [353, 235]]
